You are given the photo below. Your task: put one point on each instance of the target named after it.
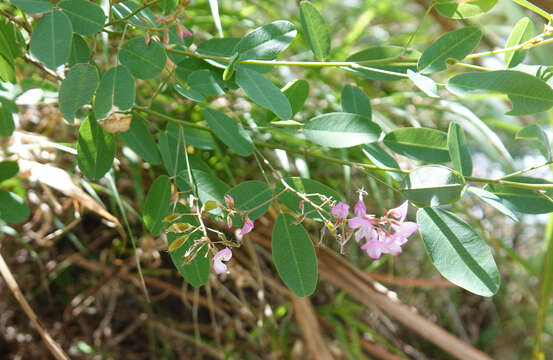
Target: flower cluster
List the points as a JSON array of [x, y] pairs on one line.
[[248, 223], [226, 253], [383, 235]]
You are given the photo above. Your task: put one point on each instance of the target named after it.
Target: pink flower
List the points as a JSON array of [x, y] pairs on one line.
[[222, 255], [340, 210], [378, 245], [229, 201], [400, 212], [362, 222], [386, 243], [248, 226]]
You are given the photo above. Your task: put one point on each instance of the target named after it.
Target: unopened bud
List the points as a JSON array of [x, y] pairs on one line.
[[210, 205], [177, 243], [179, 227]]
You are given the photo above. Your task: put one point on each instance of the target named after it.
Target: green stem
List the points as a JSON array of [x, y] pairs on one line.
[[546, 288], [532, 43], [352, 164], [534, 8]]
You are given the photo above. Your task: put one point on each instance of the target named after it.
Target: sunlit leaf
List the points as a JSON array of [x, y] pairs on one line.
[[432, 185], [315, 30], [460, 9], [528, 94], [459, 150], [341, 130], [95, 149], [421, 144], [458, 253], [522, 32], [454, 45]]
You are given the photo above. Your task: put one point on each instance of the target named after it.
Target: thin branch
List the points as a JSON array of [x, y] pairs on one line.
[[54, 348]]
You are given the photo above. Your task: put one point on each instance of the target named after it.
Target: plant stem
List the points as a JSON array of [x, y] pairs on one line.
[[534, 8], [352, 164]]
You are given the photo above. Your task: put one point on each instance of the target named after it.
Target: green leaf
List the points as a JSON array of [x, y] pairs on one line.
[[12, 208], [296, 92], [86, 17], [144, 61], [461, 9], [176, 44], [355, 101], [387, 52], [528, 94], [229, 131], [116, 92], [315, 30], [7, 126], [157, 204], [494, 201], [307, 187], [171, 148], [199, 138], [341, 130], [95, 149], [432, 185], [266, 42], [7, 70], [264, 93], [9, 105], [421, 144], [527, 201], [206, 82], [454, 45], [522, 32], [80, 53], [458, 253], [190, 94], [51, 39], [380, 157], [11, 41], [8, 169], [144, 17], [459, 150], [139, 139], [207, 186], [77, 89], [424, 83], [249, 195], [218, 47], [537, 136], [196, 272], [33, 6], [294, 256]]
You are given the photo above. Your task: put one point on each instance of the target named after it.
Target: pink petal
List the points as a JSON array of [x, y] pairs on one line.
[[360, 209], [407, 228], [373, 249], [224, 255], [248, 226], [357, 222], [229, 201], [219, 267], [340, 210], [400, 212]]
